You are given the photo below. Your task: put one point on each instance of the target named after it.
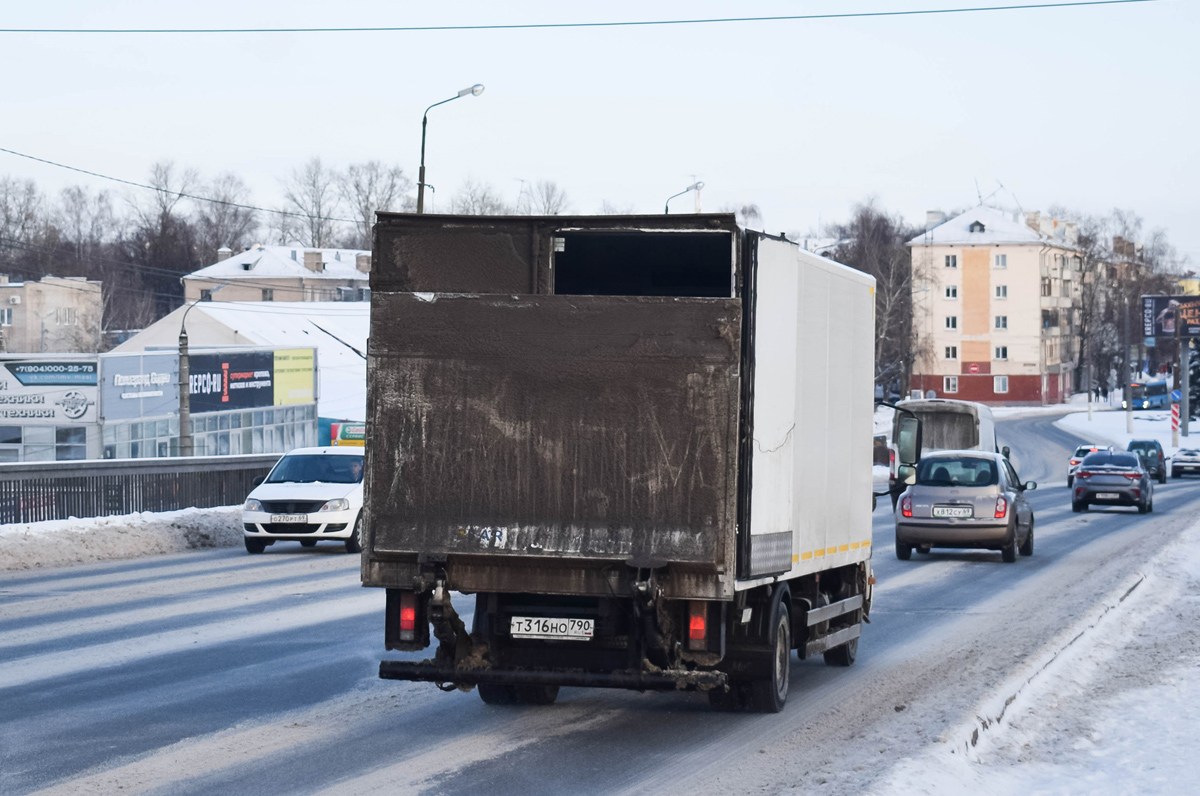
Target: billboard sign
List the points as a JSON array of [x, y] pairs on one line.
[[295, 376], [35, 391], [1161, 313], [144, 384], [234, 380]]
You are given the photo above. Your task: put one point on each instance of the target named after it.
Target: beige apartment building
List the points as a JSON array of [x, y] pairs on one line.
[[283, 273], [54, 315], [994, 297]]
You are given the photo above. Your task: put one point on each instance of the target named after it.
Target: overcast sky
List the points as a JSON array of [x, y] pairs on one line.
[[1087, 107]]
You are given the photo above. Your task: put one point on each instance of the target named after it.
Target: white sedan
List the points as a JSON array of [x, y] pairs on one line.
[[310, 494]]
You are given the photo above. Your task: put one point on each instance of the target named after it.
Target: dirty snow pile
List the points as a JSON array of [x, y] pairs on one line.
[[1109, 427], [1114, 710], [60, 543]]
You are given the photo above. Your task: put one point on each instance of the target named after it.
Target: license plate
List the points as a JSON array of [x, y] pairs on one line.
[[1107, 496], [549, 628], [953, 511], [290, 519]]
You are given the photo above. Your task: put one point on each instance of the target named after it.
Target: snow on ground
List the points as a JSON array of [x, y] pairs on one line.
[[1109, 427], [1114, 712], [61, 543]]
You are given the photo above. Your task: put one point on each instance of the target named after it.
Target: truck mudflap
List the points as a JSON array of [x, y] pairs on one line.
[[661, 680]]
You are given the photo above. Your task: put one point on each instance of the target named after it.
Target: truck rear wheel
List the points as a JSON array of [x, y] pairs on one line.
[[770, 695], [843, 655], [536, 694], [496, 694]]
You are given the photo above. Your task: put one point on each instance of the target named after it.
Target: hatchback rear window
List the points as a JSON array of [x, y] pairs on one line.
[[1144, 447], [1110, 460], [1084, 450], [957, 471]]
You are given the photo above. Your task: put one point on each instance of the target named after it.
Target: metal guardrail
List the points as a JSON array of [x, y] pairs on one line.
[[37, 491]]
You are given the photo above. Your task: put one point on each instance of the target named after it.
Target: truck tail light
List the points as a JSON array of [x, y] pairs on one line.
[[906, 506], [892, 462], [408, 616], [1001, 507], [697, 624]]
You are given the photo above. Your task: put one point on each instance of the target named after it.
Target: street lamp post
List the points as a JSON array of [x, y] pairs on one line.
[[696, 186], [474, 91], [185, 391]]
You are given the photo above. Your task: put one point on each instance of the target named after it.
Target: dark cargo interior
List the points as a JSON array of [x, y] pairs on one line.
[[643, 264]]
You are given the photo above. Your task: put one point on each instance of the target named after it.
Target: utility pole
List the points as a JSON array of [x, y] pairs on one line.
[[185, 396], [1178, 371], [1127, 387]]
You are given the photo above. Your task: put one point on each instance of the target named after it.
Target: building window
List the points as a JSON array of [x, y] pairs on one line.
[[952, 261], [1046, 286], [951, 321], [1001, 291], [268, 294], [1049, 319], [70, 443], [951, 352], [1001, 352], [364, 294], [6, 316], [1002, 261], [1066, 288], [65, 316], [950, 384], [1001, 321], [952, 291], [999, 384]]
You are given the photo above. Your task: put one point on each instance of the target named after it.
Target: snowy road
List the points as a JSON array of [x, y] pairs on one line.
[[216, 672]]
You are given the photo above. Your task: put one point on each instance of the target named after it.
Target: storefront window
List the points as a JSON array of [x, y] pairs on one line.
[[70, 443]]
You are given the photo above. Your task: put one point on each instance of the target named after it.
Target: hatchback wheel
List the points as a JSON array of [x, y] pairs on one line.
[[903, 551], [1009, 551], [1027, 548]]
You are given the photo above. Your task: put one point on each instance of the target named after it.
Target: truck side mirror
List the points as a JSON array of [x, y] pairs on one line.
[[1006, 451], [906, 474], [908, 440]]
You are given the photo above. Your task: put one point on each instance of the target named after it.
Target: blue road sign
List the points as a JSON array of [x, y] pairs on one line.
[[1176, 395]]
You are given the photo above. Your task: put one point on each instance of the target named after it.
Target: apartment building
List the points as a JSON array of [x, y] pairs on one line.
[[994, 297], [53, 315], [283, 273]]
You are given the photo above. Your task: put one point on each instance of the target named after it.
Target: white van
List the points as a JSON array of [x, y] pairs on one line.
[[947, 425]]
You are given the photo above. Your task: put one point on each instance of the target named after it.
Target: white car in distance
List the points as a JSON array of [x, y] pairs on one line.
[[311, 494]]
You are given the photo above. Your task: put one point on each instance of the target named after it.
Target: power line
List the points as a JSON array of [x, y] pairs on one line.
[[560, 25], [180, 194]]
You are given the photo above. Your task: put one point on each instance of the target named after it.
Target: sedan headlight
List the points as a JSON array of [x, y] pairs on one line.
[[252, 505], [340, 504]]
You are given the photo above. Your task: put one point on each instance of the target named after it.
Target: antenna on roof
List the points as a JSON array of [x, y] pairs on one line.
[[978, 193], [1014, 196]]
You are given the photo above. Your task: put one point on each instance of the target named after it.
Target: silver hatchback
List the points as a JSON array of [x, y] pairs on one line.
[[966, 499]]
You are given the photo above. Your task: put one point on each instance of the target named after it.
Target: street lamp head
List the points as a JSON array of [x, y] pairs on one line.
[[695, 186], [474, 90]]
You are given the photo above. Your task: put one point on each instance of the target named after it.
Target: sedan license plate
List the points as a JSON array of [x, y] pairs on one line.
[[1107, 496], [290, 519], [550, 628], [953, 511]]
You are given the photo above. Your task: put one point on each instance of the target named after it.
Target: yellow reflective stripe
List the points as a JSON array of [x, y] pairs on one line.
[[843, 548], [795, 558], [805, 556], [830, 550], [854, 545], [818, 553]]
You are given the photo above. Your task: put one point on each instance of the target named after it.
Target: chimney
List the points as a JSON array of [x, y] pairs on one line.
[[1072, 233], [1033, 220], [224, 253], [313, 261], [934, 218], [363, 263]]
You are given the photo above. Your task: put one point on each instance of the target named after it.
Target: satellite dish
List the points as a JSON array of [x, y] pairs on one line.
[[931, 394]]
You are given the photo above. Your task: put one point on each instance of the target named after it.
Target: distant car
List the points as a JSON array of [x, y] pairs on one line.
[[1077, 457], [310, 495], [966, 499], [1151, 450], [1185, 461], [1113, 478]]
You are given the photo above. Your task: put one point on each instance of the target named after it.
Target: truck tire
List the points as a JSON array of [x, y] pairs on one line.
[[770, 695], [354, 541], [843, 655], [903, 551], [254, 546], [496, 694], [536, 694]]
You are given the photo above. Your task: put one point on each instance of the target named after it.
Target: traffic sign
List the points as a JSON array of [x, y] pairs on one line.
[[1176, 395]]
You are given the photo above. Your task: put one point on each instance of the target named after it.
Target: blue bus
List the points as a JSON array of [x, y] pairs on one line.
[[1149, 394]]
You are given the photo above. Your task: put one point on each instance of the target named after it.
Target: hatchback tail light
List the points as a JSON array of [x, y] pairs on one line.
[[906, 506], [1075, 462], [1001, 507], [1132, 476]]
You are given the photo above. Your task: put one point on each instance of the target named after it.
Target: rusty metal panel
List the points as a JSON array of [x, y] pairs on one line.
[[554, 427], [475, 256]]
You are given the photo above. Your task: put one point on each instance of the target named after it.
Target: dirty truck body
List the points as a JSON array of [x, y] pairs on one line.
[[643, 443]]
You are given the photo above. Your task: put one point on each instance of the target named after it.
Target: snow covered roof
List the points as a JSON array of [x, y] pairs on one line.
[[988, 226], [337, 329], [284, 261]]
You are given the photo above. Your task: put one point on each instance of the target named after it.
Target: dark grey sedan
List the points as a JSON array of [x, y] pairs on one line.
[[965, 499], [1113, 479]]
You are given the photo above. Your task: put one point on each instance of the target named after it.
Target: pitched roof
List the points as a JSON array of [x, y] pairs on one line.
[[999, 227], [283, 262]]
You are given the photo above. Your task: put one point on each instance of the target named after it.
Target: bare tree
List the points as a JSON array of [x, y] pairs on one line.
[[478, 199], [222, 223], [543, 198], [610, 208], [170, 184], [310, 192], [370, 187], [748, 214], [21, 215]]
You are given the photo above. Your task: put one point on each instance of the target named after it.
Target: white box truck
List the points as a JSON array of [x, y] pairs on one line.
[[643, 443]]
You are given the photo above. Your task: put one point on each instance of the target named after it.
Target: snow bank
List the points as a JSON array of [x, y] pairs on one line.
[[61, 543], [1109, 427], [1110, 708]]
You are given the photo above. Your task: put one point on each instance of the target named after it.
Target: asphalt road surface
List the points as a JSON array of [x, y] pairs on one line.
[[218, 672]]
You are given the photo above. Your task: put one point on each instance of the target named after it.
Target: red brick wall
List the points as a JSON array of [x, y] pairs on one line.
[[1021, 389]]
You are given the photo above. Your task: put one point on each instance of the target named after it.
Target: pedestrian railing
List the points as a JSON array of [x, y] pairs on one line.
[[37, 491]]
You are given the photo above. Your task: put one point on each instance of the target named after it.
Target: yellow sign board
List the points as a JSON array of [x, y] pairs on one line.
[[294, 381]]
